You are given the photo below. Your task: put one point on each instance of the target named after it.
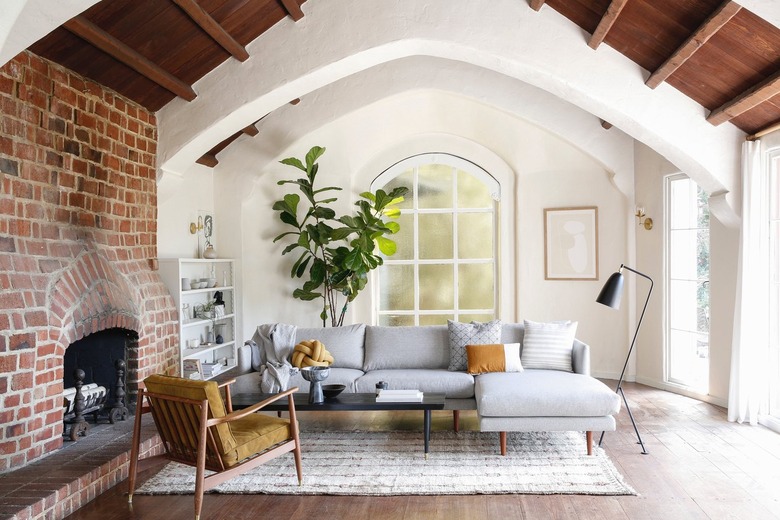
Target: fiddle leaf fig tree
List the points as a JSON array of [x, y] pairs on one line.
[[333, 255]]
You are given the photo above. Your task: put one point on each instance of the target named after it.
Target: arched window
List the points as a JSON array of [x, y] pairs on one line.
[[445, 266]]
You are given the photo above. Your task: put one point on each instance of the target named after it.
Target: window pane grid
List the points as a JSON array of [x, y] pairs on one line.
[[437, 246]]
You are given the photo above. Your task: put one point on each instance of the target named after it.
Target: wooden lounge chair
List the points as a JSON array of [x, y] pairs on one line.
[[199, 429]]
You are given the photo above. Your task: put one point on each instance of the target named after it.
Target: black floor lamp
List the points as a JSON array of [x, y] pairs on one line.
[[610, 296]]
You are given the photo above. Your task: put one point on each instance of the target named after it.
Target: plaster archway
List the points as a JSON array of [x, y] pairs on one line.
[[612, 148], [542, 49]]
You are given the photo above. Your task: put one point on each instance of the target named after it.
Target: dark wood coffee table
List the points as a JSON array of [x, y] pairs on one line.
[[347, 402]]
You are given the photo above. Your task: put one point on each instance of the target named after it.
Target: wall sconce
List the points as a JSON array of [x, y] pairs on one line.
[[194, 228], [642, 219]]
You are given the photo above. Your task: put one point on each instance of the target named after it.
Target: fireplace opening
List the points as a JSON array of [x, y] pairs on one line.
[[95, 372]]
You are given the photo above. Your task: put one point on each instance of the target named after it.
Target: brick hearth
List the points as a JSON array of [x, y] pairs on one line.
[[78, 242], [58, 485]]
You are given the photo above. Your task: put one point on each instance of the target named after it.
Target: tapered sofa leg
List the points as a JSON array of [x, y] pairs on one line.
[[589, 442], [456, 420], [502, 437]]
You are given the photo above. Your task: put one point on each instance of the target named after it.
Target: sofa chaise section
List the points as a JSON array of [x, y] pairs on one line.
[[544, 400]]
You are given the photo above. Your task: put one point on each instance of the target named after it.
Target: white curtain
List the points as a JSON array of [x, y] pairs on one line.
[[749, 384]]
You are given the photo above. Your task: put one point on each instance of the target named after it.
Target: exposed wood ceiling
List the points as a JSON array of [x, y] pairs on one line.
[[720, 55]]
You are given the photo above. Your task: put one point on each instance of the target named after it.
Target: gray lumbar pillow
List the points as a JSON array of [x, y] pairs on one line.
[[474, 333]]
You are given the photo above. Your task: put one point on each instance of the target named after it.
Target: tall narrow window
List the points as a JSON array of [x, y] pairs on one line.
[[774, 270], [445, 265], [687, 279]]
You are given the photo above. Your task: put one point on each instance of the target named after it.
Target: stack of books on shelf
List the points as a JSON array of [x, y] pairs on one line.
[[211, 369], [399, 396], [192, 369]]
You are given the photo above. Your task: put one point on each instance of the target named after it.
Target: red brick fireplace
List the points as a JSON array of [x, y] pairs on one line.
[[78, 242]]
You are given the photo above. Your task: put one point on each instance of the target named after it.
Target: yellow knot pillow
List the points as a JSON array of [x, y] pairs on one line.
[[311, 353]]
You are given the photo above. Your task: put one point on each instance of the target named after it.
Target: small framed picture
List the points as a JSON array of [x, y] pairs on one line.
[[571, 240]]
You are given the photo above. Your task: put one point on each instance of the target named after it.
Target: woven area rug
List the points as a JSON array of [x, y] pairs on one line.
[[392, 463]]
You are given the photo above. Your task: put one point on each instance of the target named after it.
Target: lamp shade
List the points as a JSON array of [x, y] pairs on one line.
[[612, 291]]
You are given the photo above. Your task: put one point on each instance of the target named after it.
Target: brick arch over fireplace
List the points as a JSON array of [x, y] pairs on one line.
[[91, 296]]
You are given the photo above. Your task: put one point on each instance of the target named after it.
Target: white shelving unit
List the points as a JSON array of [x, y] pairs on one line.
[[172, 271]]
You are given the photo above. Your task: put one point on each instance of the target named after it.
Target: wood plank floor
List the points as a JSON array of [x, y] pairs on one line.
[[700, 467]]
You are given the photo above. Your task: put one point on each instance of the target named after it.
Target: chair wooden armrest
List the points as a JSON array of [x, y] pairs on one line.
[[228, 398], [232, 416]]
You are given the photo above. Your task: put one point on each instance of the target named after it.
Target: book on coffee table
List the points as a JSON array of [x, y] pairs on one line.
[[399, 396]]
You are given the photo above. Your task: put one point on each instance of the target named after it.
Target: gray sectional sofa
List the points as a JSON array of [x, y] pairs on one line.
[[418, 358]]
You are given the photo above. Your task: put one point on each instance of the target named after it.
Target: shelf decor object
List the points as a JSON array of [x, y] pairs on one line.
[[610, 296]]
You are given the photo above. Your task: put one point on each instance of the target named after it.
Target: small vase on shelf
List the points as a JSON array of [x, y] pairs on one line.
[[219, 329], [209, 252]]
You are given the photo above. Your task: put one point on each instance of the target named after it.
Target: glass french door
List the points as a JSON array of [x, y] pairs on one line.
[[687, 281], [774, 280]]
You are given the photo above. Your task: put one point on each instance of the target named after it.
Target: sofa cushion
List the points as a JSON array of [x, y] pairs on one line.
[[512, 333], [458, 385], [548, 345], [543, 393], [345, 344], [462, 334], [493, 358], [406, 347]]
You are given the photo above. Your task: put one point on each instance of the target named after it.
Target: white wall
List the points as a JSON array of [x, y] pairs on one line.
[[180, 199], [651, 169]]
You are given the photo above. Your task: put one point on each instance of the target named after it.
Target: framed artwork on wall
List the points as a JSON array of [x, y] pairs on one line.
[[571, 239]]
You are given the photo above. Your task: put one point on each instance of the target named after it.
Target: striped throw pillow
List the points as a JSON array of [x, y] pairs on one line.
[[548, 345]]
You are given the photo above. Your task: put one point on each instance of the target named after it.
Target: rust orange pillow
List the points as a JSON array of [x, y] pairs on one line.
[[493, 358]]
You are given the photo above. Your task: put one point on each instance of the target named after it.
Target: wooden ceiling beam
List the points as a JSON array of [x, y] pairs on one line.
[[251, 130], [96, 36], [213, 28], [293, 9], [695, 41], [208, 159], [751, 98], [536, 4], [606, 23]]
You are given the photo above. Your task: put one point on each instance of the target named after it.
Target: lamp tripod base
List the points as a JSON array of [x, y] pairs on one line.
[[633, 422]]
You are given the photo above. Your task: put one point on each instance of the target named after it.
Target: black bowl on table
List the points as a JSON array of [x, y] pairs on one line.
[[331, 391]]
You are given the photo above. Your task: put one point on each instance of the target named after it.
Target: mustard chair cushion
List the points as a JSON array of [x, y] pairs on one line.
[[256, 433], [197, 390]]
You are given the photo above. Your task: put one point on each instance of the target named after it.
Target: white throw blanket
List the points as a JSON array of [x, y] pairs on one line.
[[272, 345]]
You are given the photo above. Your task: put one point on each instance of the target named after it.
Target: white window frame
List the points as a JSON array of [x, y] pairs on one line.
[[773, 178], [668, 179], [494, 188]]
